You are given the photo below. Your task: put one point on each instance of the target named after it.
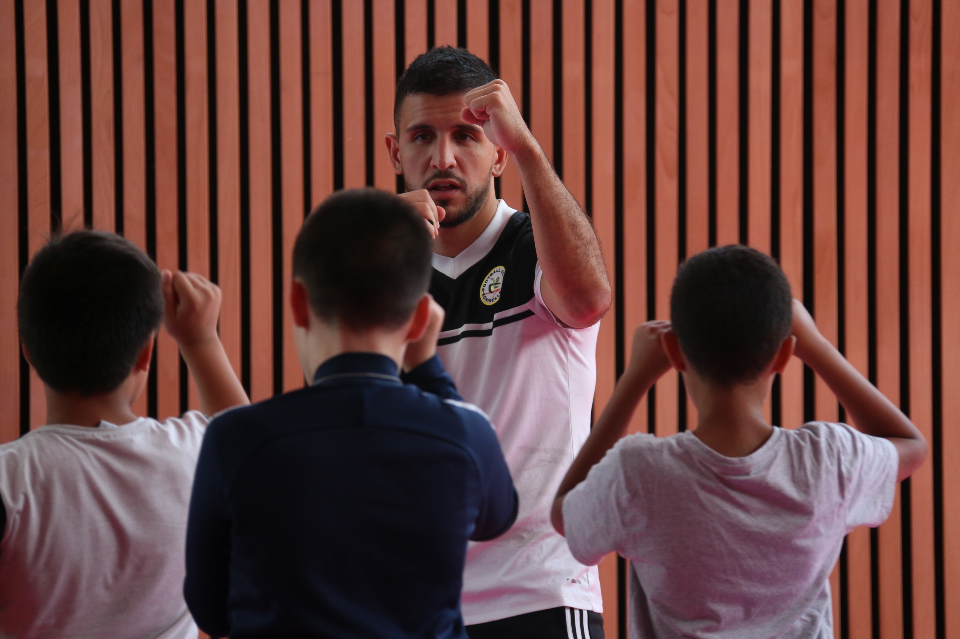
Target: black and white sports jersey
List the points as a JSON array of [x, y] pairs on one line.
[[535, 378]]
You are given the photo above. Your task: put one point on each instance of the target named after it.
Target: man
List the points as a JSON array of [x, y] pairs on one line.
[[523, 294]]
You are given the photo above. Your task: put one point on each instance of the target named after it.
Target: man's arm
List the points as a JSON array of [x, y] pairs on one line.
[[575, 285], [871, 412], [648, 362], [192, 310]]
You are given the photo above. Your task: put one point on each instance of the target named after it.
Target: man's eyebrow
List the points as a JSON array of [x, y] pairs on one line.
[[423, 126]]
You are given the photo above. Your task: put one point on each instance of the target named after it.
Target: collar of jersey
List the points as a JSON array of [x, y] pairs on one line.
[[454, 267], [357, 367]]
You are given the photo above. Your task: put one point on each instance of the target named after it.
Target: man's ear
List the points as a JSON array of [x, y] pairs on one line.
[[674, 353], [143, 357], [419, 320], [784, 353], [299, 304], [499, 162], [393, 147]]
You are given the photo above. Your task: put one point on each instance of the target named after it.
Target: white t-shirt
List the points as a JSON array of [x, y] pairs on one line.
[[535, 378], [724, 547], [96, 525]]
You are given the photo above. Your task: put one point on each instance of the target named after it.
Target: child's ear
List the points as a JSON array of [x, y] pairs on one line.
[[671, 345], [785, 352], [144, 356], [299, 304], [420, 319]]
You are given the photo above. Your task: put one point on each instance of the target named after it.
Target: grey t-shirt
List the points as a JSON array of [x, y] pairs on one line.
[[731, 546]]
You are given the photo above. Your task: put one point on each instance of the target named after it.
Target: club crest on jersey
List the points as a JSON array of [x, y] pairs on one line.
[[492, 285]]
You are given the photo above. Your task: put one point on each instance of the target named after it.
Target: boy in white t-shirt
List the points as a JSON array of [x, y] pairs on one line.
[[732, 529], [93, 505]]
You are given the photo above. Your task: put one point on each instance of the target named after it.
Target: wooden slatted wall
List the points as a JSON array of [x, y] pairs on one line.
[[824, 132]]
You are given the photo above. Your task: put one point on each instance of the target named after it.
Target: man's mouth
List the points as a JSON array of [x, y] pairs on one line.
[[444, 187]]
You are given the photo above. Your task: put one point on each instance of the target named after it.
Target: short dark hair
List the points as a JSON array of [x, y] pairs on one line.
[[730, 309], [88, 303], [441, 71], [364, 257]]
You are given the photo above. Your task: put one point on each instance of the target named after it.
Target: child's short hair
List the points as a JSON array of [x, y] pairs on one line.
[[731, 310], [89, 301], [441, 71], [364, 257]]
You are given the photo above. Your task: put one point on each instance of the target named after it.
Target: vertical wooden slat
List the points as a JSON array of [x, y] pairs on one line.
[[602, 207], [574, 140], [825, 210], [634, 240], [165, 171], [478, 32], [758, 195], [541, 75], [71, 115], [384, 87], [228, 179], [354, 97], [261, 199], [415, 29], [791, 187], [444, 23], [38, 158], [102, 116], [198, 149], [511, 71], [291, 146], [950, 311], [859, 609], [134, 169], [9, 227], [728, 118], [888, 288], [321, 109], [666, 172], [922, 558]]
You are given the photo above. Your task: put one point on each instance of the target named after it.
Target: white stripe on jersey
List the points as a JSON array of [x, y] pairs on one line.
[[484, 327]]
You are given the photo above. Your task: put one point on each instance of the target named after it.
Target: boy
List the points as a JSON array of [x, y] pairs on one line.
[[732, 529], [94, 503], [344, 509]]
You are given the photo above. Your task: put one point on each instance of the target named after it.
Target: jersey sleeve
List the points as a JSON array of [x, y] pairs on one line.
[[869, 475], [207, 584], [431, 377], [499, 501], [594, 511]]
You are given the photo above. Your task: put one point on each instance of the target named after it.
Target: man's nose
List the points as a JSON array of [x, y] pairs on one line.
[[443, 156]]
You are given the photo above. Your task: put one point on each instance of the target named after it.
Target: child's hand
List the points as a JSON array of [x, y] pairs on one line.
[[648, 357], [805, 330], [192, 307], [424, 348]]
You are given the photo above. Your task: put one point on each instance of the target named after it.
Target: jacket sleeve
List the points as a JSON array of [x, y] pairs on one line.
[[431, 377]]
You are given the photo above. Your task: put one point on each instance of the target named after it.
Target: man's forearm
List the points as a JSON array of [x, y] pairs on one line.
[[567, 246]]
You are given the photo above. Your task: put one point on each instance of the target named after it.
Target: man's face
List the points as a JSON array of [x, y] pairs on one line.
[[436, 150]]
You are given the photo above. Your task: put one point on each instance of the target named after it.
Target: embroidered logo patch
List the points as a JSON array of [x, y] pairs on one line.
[[492, 285]]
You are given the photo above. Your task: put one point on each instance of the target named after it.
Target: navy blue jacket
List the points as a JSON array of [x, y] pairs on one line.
[[344, 509]]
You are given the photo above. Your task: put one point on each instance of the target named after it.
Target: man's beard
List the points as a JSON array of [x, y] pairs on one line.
[[453, 218]]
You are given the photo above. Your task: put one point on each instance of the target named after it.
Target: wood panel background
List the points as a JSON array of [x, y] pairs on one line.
[[825, 132]]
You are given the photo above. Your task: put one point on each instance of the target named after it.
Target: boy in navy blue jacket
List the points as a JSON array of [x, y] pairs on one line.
[[344, 509]]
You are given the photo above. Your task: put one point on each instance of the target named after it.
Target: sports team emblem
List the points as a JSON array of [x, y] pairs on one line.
[[492, 285]]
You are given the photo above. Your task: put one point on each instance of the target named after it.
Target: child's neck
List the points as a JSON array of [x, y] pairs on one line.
[[71, 408], [731, 420]]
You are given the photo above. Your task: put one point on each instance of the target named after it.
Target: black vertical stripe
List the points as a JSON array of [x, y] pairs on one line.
[[588, 107], [558, 87], [400, 41], [712, 123], [431, 24], [462, 23], [23, 202], [118, 132], [85, 114], [336, 43], [743, 120], [150, 179], [682, 181], [276, 194], [840, 88], [243, 70], [182, 177], [776, 392], [807, 207], [651, 159], [307, 105], [213, 157], [872, 274], [368, 89], [53, 100]]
